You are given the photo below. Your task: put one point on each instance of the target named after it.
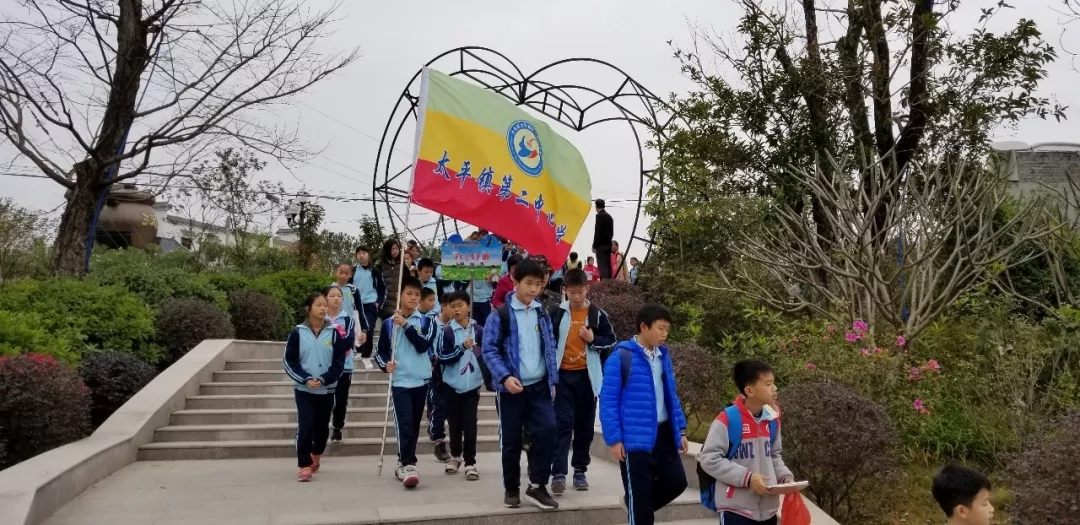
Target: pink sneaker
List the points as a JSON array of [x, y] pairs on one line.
[[305, 475], [315, 461]]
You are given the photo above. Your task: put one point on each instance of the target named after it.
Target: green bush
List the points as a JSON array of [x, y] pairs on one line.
[[113, 377], [155, 277], [290, 288], [43, 405], [1045, 477], [228, 282], [254, 314], [703, 386], [85, 314], [184, 323], [21, 332]]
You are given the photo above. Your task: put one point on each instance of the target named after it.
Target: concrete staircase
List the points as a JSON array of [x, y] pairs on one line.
[[247, 411]]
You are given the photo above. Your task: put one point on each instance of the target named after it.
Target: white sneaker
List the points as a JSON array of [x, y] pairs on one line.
[[368, 364], [399, 472], [412, 477]]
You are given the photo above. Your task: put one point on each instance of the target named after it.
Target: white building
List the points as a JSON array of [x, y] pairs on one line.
[[175, 231], [1048, 168]]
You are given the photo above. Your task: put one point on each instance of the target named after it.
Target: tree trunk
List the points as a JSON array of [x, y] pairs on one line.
[[69, 249]]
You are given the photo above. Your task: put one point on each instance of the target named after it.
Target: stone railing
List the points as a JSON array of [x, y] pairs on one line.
[[33, 490]]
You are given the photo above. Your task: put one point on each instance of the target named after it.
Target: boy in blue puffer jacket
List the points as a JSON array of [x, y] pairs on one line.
[[642, 418], [458, 359]]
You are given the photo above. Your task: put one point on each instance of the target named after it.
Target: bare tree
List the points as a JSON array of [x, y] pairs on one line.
[[946, 217], [95, 92]]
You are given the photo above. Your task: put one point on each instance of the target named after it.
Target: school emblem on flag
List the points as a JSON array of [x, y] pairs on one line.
[[482, 160]]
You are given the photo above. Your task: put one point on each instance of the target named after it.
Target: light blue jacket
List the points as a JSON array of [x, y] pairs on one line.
[[482, 290], [461, 367], [414, 341], [348, 297], [315, 356], [603, 339], [346, 324]]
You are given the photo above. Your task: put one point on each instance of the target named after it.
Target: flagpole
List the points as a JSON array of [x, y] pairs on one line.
[[421, 107]]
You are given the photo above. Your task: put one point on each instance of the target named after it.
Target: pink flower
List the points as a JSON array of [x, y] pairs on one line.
[[811, 366], [860, 325], [933, 364], [830, 328], [852, 337], [878, 350], [914, 374], [919, 407], [865, 351], [900, 341]]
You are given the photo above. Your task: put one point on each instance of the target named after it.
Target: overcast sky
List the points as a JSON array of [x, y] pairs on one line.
[[344, 116]]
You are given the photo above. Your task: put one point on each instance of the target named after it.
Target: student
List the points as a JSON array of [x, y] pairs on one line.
[[314, 358], [591, 270], [634, 263], [343, 323], [521, 359], [505, 286], [410, 367], [370, 293], [964, 495], [743, 478], [573, 262], [425, 270], [436, 403], [642, 418], [428, 303], [458, 358], [343, 280], [482, 290], [583, 332]]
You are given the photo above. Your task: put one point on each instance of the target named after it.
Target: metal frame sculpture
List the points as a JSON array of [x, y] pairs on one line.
[[643, 111]]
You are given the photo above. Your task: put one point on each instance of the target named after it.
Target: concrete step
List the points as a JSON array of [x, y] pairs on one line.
[[274, 431], [282, 387], [253, 416], [273, 376], [271, 364], [285, 448], [227, 402]]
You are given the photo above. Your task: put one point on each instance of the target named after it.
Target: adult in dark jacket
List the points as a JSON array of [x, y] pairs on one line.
[[390, 266], [605, 231]]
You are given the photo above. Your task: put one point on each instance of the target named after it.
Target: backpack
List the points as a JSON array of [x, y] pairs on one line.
[[706, 483]]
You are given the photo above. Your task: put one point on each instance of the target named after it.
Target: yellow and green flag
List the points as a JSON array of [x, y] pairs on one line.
[[482, 160]]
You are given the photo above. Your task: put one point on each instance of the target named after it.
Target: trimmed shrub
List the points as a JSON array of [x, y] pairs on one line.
[[1045, 475], [155, 278], [85, 314], [842, 443], [703, 386], [255, 316], [184, 323], [290, 288], [113, 377], [21, 332], [228, 282], [43, 405], [621, 301]]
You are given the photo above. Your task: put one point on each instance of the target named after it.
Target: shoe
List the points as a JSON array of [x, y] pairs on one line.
[[412, 477], [399, 472], [471, 474], [580, 483], [315, 462], [304, 475], [539, 496], [368, 364], [512, 499], [558, 485], [452, 465], [441, 452], [335, 436]]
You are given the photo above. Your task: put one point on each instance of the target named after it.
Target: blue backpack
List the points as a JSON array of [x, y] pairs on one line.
[[706, 483]]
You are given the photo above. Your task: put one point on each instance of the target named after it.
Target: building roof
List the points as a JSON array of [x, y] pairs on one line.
[[170, 245]]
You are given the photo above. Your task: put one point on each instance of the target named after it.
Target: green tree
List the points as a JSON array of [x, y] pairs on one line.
[[23, 235], [335, 248]]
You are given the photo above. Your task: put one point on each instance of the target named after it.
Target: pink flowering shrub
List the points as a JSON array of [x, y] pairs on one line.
[[43, 405]]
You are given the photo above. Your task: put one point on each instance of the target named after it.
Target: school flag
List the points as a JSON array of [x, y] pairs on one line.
[[482, 160]]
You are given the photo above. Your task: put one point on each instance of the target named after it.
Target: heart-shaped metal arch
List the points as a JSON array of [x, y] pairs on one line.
[[629, 102]]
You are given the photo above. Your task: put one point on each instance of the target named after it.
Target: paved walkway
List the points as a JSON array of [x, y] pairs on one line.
[[346, 491]]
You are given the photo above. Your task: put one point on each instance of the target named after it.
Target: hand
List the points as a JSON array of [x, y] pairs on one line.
[[391, 366], [586, 333], [513, 385], [684, 447], [361, 338], [759, 486], [618, 453], [468, 343], [314, 383], [399, 320]]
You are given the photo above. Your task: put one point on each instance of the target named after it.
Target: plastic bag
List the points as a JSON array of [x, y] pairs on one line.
[[794, 510]]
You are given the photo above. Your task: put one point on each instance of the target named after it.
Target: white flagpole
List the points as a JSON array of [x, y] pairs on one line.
[[421, 110]]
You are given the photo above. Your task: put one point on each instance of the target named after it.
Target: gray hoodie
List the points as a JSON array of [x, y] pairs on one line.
[[758, 454]]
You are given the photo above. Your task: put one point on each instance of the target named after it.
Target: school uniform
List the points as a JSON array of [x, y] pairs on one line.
[[645, 415], [310, 355], [462, 380], [580, 378], [344, 324], [411, 376], [369, 294], [436, 404], [482, 291], [527, 353]]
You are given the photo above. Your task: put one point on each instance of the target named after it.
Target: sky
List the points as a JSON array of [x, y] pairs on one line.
[[344, 116]]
